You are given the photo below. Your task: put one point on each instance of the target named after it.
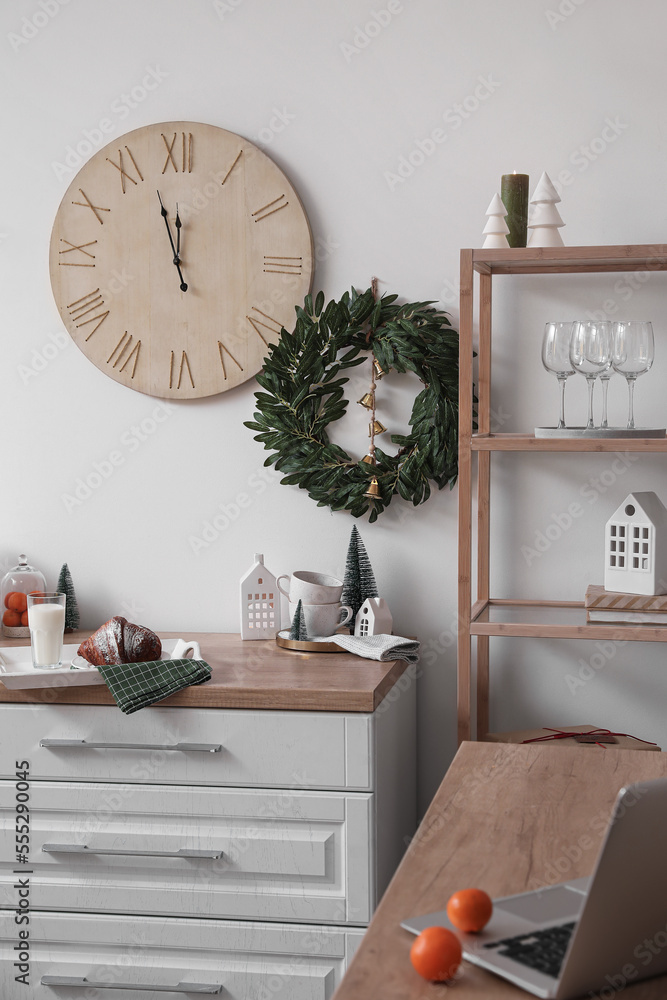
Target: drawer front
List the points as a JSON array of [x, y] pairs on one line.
[[243, 854], [248, 961], [262, 749]]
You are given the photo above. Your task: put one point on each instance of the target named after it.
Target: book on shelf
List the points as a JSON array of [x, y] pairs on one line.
[[634, 609]]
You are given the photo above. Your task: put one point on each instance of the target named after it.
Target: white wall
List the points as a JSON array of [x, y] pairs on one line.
[[357, 107]]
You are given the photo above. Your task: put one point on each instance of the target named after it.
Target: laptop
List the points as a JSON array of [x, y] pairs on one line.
[[599, 933]]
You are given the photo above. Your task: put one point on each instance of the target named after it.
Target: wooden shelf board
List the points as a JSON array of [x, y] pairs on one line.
[[564, 260], [554, 620], [528, 442], [254, 674]]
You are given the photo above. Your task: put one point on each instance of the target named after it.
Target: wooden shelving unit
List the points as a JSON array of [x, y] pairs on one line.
[[484, 616]]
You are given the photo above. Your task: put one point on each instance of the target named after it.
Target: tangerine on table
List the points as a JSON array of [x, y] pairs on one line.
[[12, 619], [436, 954], [470, 909]]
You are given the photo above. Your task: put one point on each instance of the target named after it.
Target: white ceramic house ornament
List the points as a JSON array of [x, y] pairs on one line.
[[260, 602], [636, 546], [373, 618]]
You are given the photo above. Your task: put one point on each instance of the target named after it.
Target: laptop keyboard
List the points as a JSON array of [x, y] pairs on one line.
[[540, 950]]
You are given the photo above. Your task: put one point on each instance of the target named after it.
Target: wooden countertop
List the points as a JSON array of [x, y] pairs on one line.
[[504, 816], [248, 674]]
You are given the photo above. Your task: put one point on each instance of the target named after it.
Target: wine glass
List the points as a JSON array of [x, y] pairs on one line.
[[590, 354], [556, 358], [633, 353], [604, 380]]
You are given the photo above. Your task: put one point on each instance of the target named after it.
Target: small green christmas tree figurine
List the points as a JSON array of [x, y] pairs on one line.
[[298, 629], [359, 581], [65, 586]]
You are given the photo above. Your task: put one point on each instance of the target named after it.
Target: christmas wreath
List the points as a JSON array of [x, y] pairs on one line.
[[303, 394]]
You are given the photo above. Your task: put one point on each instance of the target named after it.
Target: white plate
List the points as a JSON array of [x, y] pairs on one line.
[[17, 671]]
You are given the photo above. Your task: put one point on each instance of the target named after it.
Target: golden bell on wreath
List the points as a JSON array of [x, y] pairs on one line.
[[369, 459], [379, 370], [367, 400], [373, 491], [376, 428]]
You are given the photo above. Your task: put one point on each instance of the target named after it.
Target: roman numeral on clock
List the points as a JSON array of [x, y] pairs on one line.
[[238, 157], [119, 353], [95, 209], [256, 322], [182, 152], [69, 247], [93, 302], [185, 364], [270, 208], [121, 166], [283, 265], [225, 350]]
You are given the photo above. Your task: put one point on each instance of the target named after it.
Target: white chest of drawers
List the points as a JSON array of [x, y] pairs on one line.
[[238, 848]]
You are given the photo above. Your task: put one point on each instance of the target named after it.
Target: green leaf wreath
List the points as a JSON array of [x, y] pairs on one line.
[[303, 393]]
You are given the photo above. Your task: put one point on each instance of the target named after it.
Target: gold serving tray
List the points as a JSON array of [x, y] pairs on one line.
[[305, 645]]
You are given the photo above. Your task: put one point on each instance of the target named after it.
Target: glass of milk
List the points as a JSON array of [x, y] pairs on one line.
[[46, 621]]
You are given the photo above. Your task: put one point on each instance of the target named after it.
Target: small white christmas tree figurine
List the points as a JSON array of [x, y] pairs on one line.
[[496, 229], [544, 219]]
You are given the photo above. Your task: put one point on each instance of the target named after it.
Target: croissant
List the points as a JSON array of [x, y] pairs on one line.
[[119, 641]]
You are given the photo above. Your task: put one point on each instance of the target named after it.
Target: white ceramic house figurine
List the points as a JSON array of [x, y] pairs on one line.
[[373, 618], [636, 546], [260, 602]]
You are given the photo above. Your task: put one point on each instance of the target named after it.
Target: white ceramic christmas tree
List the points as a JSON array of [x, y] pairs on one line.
[[496, 229], [544, 219]]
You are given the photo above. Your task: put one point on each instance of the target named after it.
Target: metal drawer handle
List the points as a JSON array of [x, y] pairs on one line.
[[211, 988], [184, 852], [85, 745]]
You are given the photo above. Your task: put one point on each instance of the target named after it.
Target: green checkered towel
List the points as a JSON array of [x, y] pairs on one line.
[[136, 685]]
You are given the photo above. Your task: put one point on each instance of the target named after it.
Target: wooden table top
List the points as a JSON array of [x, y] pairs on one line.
[[254, 674], [503, 815]]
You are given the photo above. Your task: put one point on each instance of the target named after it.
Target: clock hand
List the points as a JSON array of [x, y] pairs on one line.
[[164, 214], [184, 287], [175, 259], [178, 225]]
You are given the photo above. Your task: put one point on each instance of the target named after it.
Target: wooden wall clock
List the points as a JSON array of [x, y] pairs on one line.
[[177, 253]]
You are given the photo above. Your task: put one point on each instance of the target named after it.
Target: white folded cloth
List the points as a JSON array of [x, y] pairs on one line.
[[379, 647]]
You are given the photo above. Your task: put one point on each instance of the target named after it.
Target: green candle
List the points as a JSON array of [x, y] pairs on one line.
[[514, 195]]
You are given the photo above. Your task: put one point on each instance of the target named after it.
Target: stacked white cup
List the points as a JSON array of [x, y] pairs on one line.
[[320, 600]]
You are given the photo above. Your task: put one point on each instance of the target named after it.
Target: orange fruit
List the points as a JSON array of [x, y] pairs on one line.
[[436, 954], [12, 619], [470, 909], [24, 619], [7, 596], [17, 602]]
